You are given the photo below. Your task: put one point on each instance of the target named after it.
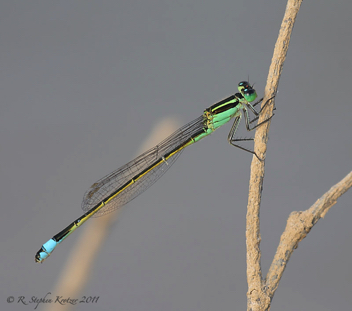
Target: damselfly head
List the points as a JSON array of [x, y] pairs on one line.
[[243, 85], [249, 94]]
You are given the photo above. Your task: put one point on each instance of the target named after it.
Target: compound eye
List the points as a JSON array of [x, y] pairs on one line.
[[243, 85], [249, 94]]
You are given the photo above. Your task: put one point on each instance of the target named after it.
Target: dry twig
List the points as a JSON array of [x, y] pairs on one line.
[[261, 291]]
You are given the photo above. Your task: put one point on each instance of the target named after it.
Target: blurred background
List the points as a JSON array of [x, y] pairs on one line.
[[83, 84]]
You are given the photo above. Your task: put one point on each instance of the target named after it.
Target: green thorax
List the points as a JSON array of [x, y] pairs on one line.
[[219, 114], [223, 111]]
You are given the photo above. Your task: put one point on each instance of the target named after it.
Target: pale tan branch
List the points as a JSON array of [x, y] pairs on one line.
[[298, 226], [256, 297]]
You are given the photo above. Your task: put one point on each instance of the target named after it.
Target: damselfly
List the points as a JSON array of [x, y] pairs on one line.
[[129, 181]]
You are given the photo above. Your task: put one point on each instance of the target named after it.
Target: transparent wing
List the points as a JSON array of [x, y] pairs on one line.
[[104, 187]]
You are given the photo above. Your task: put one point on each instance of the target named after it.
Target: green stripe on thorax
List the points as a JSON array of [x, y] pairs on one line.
[[222, 112]]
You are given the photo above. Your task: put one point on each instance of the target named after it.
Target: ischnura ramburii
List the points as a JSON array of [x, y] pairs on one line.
[[124, 184]]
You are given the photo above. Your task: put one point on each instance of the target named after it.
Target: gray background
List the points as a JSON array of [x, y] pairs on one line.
[[82, 85]]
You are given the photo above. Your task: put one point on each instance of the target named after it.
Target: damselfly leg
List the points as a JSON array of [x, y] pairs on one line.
[[231, 137], [251, 107]]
